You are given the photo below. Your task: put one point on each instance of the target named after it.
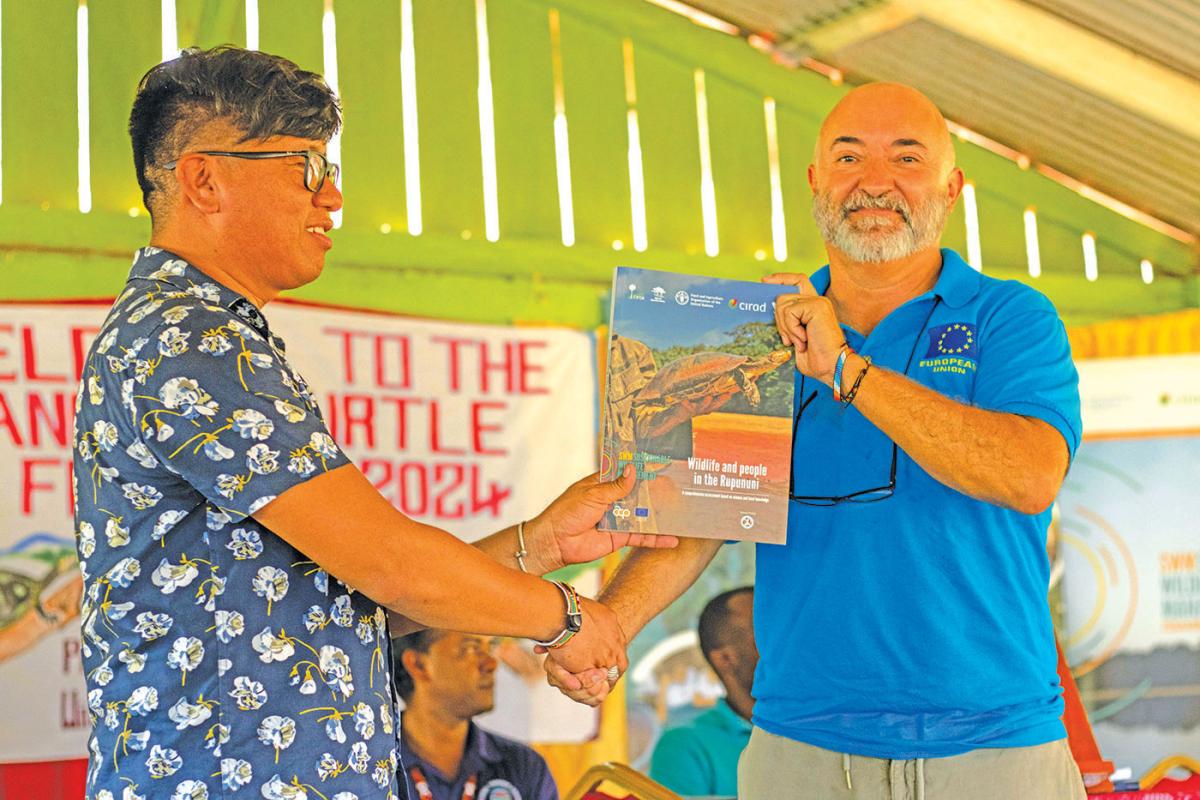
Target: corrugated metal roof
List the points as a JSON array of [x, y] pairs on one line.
[[1139, 149], [1167, 31], [1134, 159]]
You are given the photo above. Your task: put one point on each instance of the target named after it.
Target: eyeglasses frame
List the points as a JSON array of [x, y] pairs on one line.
[[331, 170]]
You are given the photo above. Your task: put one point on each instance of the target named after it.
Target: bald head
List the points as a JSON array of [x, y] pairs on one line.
[[883, 175], [887, 113]]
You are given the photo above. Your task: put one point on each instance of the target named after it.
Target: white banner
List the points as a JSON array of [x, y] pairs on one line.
[[1130, 543], [467, 427], [1140, 395]]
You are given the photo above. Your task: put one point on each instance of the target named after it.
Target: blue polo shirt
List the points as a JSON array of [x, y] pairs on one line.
[[917, 626], [701, 758], [503, 769]]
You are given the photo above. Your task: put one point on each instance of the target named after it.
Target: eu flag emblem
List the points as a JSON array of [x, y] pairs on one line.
[[955, 339]]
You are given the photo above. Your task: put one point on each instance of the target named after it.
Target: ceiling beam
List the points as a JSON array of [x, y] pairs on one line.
[[1067, 51]]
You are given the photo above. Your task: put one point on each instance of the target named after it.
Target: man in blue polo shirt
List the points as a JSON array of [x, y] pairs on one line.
[[446, 679], [905, 642]]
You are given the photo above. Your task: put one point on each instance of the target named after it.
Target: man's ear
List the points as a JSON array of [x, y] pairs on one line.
[[198, 184], [722, 660], [954, 185], [414, 663]]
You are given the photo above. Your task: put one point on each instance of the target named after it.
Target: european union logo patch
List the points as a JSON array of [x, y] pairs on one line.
[[955, 339]]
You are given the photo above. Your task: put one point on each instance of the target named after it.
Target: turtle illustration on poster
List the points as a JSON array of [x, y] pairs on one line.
[[40, 590]]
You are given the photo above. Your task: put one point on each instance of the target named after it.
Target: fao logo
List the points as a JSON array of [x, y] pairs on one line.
[[620, 512], [682, 297], [747, 521]]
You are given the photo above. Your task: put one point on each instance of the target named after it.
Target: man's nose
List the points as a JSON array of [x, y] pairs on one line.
[[330, 197], [876, 178]]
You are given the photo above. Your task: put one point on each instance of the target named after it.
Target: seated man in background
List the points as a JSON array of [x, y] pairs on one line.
[[701, 758], [446, 679]]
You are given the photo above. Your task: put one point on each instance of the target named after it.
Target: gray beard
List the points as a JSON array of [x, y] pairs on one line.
[[868, 241]]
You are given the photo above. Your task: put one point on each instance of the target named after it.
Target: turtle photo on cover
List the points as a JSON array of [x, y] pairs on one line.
[[699, 384], [699, 399]]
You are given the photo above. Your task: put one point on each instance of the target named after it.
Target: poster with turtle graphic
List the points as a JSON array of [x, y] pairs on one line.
[[699, 399]]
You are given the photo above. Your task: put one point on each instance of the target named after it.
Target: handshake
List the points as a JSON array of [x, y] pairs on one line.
[[585, 663], [587, 666], [586, 645]]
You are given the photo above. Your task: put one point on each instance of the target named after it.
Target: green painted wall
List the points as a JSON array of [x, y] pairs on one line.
[[49, 249]]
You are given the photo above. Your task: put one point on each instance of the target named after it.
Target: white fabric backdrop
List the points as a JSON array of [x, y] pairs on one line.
[[468, 427]]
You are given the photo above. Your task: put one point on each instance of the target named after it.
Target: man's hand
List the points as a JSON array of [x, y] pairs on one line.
[[599, 645], [589, 687], [807, 320], [645, 583], [565, 533]]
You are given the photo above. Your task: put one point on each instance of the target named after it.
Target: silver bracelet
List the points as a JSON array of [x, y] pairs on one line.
[[521, 551]]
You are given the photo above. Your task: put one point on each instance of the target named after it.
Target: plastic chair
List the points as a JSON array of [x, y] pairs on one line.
[[615, 781]]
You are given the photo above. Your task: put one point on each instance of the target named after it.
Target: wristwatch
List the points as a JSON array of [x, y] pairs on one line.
[[574, 617]]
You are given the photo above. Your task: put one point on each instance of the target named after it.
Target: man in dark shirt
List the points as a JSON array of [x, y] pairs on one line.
[[234, 559], [446, 679]]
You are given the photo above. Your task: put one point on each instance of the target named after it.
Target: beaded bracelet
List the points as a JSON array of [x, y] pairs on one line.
[[850, 395], [573, 611]]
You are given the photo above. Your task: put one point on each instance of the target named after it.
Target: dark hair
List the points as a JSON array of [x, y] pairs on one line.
[[715, 621], [419, 641], [260, 94]]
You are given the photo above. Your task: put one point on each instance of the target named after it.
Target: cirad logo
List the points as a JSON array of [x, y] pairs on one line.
[[741, 305], [620, 512]]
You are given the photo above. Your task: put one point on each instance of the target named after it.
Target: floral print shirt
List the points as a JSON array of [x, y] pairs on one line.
[[221, 662]]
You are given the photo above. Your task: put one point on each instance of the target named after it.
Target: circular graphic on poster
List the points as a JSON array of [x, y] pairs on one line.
[[1131, 590]]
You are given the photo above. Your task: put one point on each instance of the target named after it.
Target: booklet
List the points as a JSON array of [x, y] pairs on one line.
[[699, 399]]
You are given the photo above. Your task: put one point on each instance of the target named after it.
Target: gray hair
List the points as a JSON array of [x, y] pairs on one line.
[[863, 241], [260, 94]]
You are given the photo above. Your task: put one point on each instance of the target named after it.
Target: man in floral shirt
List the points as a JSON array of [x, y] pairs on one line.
[[236, 565]]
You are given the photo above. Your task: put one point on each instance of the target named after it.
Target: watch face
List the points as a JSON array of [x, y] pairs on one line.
[[574, 622]]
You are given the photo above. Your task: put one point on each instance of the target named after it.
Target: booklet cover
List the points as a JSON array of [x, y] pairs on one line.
[[699, 399]]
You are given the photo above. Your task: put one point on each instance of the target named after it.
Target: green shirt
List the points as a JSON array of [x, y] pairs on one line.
[[701, 758]]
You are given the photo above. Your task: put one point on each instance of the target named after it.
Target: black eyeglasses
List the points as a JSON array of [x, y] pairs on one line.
[[863, 495], [316, 166]]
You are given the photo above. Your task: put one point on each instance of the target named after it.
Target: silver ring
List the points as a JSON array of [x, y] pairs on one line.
[[614, 674]]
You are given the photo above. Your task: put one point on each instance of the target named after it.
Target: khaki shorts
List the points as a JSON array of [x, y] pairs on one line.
[[777, 768]]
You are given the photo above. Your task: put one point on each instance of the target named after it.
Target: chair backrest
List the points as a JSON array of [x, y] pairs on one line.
[[615, 781]]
